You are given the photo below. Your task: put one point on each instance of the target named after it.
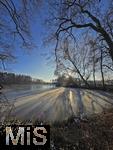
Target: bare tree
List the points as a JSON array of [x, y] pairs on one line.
[[73, 18], [15, 20], [18, 15], [71, 61], [83, 14]]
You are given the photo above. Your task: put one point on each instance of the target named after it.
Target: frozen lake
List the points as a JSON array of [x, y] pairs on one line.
[[13, 92], [47, 103]]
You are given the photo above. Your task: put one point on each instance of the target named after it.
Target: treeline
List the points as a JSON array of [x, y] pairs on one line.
[[69, 81], [66, 81], [12, 78]]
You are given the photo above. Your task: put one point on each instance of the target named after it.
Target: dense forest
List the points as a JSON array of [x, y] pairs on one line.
[[12, 78]]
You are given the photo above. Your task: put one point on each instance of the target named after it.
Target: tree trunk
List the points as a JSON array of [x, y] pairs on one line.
[[108, 41], [101, 68], [86, 83], [94, 76], [94, 70]]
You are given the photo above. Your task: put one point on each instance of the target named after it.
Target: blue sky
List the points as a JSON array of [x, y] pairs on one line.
[[34, 63]]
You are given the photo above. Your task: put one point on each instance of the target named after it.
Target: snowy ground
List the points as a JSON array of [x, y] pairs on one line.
[[61, 103]]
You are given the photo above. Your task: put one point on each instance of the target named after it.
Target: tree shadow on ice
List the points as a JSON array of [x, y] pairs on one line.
[[100, 97], [79, 97]]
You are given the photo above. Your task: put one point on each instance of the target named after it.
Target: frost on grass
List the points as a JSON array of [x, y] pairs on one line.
[[5, 110]]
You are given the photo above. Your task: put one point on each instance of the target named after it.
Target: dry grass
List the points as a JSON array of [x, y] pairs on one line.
[[94, 133]]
